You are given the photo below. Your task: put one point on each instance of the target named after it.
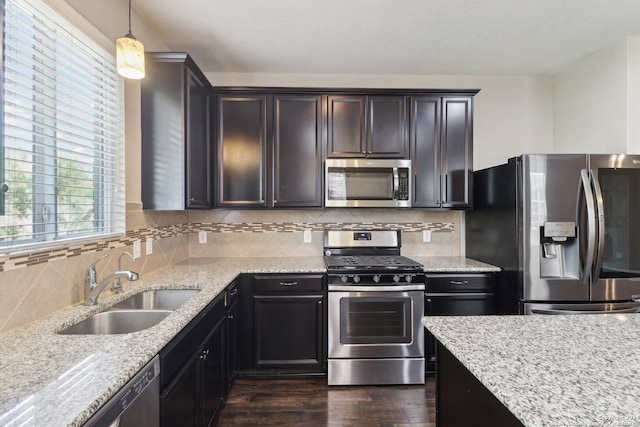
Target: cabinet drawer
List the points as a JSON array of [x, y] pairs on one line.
[[459, 283], [288, 283]]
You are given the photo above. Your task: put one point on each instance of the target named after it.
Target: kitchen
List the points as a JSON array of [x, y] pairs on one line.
[[543, 117]]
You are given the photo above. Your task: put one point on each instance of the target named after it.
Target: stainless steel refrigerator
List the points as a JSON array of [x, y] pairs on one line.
[[564, 228]]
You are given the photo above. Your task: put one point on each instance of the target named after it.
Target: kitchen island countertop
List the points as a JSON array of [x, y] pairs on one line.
[[564, 370]]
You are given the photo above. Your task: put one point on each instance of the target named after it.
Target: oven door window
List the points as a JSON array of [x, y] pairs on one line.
[[375, 320]]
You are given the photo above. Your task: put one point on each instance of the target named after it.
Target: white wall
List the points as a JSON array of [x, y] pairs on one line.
[[633, 101], [512, 114], [590, 99]]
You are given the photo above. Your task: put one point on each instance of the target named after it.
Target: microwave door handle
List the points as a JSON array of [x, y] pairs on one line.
[[600, 221], [396, 184], [591, 225]]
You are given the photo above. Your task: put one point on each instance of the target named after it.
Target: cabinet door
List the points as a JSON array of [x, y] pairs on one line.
[[289, 331], [457, 161], [425, 150], [212, 359], [198, 143], [346, 126], [297, 173], [242, 150], [178, 405], [386, 127], [231, 362], [162, 134]]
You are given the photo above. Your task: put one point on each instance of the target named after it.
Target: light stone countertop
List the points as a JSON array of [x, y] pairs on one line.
[[453, 264], [47, 379], [563, 370]]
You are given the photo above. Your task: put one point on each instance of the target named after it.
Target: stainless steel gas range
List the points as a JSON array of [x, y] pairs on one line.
[[376, 305]]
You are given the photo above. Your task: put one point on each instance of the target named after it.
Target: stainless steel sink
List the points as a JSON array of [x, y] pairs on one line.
[[117, 322], [157, 299]]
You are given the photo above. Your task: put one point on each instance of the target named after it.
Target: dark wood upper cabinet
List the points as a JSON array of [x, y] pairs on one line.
[[297, 150], [387, 130], [442, 151], [367, 126], [457, 152], [269, 149], [176, 143], [241, 150], [270, 143], [346, 126]]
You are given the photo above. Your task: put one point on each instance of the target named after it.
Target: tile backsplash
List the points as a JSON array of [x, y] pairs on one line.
[[35, 284]]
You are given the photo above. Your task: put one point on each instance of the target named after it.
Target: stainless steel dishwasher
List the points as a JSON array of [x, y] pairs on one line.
[[137, 403]]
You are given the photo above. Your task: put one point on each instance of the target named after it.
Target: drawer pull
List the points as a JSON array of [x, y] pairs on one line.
[[233, 292], [459, 282], [288, 283]]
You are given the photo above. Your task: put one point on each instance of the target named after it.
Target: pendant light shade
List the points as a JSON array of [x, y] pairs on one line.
[[130, 55]]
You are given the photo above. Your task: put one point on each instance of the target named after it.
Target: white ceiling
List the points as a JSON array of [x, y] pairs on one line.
[[390, 36]]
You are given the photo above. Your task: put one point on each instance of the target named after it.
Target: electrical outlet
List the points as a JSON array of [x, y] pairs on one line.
[[426, 236], [136, 249], [202, 237], [307, 235], [149, 246]]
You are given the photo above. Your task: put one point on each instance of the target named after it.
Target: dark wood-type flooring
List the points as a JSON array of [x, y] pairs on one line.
[[307, 402]]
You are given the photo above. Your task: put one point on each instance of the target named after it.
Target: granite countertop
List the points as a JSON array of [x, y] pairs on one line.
[[48, 379], [453, 264], [52, 379], [564, 370]]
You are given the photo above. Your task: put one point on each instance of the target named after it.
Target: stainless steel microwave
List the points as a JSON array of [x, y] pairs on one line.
[[367, 183]]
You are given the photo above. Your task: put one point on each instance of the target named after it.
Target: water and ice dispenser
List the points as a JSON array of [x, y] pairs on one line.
[[559, 254]]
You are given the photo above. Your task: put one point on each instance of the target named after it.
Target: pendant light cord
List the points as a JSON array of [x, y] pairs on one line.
[[130, 19]]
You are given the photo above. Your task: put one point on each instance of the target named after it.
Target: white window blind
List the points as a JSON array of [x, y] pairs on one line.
[[62, 130]]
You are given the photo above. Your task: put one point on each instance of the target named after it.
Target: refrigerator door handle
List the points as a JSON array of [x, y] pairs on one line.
[[560, 311], [600, 221], [591, 225]]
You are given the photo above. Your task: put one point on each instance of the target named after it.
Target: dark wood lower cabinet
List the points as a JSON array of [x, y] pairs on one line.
[[462, 400], [192, 366], [283, 326], [288, 331]]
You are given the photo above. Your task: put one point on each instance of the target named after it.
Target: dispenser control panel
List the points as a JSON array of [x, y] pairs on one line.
[[559, 230]]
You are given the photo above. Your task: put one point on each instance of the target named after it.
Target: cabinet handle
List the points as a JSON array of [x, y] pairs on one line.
[[230, 316], [459, 282], [204, 354], [288, 283], [233, 292]]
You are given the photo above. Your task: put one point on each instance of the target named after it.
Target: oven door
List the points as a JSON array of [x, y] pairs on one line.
[[376, 324]]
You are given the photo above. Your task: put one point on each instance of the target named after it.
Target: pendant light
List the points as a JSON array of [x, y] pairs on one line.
[[130, 55]]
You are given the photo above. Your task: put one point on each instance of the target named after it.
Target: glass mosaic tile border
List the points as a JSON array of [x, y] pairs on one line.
[[26, 259]]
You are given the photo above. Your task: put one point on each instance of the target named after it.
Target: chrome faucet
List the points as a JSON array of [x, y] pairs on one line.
[[117, 286], [92, 288]]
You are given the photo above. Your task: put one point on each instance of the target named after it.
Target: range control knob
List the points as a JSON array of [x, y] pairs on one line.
[[408, 278], [376, 278], [344, 278], [396, 278], [356, 279]]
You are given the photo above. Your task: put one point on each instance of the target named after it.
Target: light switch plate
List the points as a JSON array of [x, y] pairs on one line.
[[149, 246], [426, 236], [307, 235], [202, 237], [136, 249]]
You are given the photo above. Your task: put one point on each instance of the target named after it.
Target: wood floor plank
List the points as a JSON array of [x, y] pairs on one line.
[[310, 402]]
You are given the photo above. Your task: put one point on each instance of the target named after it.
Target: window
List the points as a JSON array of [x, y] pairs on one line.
[[62, 131]]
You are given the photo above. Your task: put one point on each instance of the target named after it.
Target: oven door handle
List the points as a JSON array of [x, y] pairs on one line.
[[374, 288]]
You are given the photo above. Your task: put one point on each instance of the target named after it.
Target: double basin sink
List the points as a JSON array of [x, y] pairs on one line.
[[136, 313]]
